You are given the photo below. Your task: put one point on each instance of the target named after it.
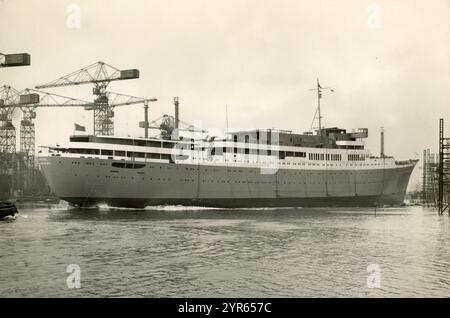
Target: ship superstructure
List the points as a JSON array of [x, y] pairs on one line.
[[247, 168]]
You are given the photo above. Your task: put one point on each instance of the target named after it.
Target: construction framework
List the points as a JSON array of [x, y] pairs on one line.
[[429, 178], [100, 74], [28, 101], [443, 170], [8, 164], [21, 166]]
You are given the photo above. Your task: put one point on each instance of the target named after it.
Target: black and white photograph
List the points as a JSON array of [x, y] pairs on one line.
[[252, 150]]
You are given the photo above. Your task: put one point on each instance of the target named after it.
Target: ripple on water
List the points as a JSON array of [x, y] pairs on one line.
[[193, 252]]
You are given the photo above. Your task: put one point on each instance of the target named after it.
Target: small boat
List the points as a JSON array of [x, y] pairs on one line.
[[7, 209]]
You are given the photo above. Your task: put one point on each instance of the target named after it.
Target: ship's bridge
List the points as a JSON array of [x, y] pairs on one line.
[[334, 138]]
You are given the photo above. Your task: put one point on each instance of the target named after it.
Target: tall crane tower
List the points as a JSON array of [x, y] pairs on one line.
[[7, 135], [29, 100], [7, 130], [100, 74]]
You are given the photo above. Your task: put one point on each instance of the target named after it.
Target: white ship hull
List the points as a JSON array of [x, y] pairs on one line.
[[92, 181]]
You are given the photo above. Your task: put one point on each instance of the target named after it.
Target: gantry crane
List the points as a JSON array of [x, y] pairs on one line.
[[7, 96], [100, 74], [29, 100], [7, 134], [19, 59], [7, 130]]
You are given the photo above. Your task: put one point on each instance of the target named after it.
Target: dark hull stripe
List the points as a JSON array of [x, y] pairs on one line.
[[356, 201]]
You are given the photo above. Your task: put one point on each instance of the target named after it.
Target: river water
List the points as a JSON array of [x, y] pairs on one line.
[[195, 252]]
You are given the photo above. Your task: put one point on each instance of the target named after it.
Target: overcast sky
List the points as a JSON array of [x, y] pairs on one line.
[[388, 62]]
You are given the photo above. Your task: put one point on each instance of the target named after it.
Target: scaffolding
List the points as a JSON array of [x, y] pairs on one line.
[[443, 170], [429, 178], [9, 165], [27, 148]]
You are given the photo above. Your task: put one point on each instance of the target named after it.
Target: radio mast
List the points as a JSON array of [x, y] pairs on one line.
[[318, 113]]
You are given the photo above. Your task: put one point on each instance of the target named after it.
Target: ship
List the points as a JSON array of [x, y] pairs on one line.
[[247, 168]]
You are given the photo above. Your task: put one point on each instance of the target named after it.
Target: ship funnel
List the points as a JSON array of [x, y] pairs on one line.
[[382, 142], [177, 110]]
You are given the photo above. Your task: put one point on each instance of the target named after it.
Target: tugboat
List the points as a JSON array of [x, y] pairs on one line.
[[7, 209]]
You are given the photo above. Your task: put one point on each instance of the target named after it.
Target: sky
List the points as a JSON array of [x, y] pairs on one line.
[[387, 61]]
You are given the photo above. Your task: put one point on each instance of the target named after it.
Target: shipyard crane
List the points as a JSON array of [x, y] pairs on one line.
[[29, 100], [443, 170], [7, 133], [167, 123], [7, 130], [100, 74], [10, 60]]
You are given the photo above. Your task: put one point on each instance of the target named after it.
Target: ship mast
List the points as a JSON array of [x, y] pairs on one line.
[[319, 96], [319, 90]]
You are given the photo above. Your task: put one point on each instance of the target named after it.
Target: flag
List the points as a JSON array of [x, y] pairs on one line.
[[79, 128]]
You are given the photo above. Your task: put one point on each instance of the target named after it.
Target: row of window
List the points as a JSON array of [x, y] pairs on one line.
[[215, 152], [293, 154], [325, 156], [333, 157], [119, 153], [130, 142], [356, 157], [256, 171], [308, 183]]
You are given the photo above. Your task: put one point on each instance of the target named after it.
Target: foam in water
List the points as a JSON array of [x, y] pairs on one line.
[[9, 217], [106, 207], [179, 208], [203, 208]]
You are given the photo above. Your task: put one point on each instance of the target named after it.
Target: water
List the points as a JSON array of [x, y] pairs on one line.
[[189, 252]]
